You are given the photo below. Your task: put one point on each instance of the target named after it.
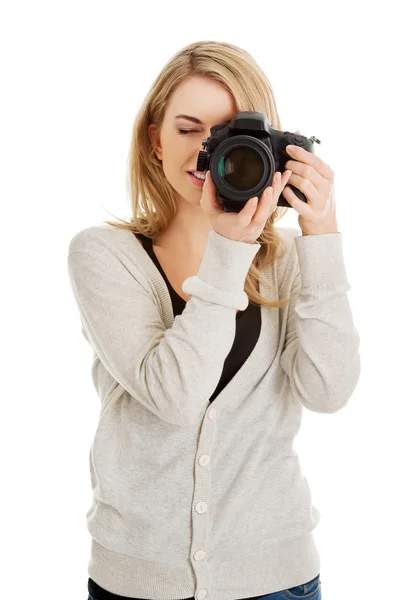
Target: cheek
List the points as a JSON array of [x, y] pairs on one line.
[[174, 171], [178, 160], [179, 154], [172, 168]]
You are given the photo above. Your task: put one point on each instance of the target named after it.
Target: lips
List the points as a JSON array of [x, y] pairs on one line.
[[195, 180]]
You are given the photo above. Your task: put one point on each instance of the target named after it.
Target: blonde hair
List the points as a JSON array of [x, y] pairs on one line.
[[153, 199]]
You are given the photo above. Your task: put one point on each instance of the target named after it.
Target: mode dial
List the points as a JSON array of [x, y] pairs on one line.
[[202, 161]]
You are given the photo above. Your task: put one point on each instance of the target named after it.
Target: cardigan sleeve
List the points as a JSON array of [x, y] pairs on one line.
[[171, 371], [321, 351]]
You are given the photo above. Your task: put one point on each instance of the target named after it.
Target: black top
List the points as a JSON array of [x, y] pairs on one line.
[[248, 327]]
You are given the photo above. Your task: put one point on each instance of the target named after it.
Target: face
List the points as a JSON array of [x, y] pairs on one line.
[[180, 139]]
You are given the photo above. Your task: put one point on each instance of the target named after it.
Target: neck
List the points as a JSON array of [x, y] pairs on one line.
[[187, 234]]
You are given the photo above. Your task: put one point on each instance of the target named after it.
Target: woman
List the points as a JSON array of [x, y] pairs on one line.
[[211, 332]]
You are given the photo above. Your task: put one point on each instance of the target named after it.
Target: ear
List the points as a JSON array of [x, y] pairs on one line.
[[155, 140]]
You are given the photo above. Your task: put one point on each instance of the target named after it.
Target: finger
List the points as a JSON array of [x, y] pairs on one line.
[[270, 196], [265, 205], [285, 179], [303, 155], [209, 201], [304, 209], [245, 216]]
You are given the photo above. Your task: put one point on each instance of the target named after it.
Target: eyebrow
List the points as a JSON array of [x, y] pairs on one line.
[[189, 118]]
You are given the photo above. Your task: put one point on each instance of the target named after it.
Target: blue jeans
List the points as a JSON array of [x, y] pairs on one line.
[[308, 591]]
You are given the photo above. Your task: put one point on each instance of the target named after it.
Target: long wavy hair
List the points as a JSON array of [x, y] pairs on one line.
[[153, 199]]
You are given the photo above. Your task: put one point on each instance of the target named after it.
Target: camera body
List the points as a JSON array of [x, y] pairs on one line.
[[243, 155]]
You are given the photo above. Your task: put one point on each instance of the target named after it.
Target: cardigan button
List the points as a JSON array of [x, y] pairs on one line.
[[201, 507], [204, 460]]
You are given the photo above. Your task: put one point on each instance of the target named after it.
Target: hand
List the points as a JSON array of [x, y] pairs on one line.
[[315, 179], [248, 224]]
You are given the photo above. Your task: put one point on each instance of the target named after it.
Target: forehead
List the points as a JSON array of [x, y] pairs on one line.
[[203, 98]]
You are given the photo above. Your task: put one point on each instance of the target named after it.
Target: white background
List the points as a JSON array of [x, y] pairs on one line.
[[73, 76]]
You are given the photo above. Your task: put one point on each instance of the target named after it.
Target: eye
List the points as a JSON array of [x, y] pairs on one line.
[[185, 131]]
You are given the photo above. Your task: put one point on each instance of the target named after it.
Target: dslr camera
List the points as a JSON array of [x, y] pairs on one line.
[[243, 155]]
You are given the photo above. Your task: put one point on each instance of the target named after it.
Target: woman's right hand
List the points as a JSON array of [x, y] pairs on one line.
[[248, 224]]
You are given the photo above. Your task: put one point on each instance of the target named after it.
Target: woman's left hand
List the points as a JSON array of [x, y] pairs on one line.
[[315, 179]]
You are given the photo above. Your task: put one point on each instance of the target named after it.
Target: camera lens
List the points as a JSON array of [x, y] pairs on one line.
[[242, 167]]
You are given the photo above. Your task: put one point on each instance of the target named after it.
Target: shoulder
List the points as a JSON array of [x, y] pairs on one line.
[[103, 239], [110, 255]]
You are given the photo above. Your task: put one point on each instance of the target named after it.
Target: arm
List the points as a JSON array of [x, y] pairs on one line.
[[171, 371], [321, 352]]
